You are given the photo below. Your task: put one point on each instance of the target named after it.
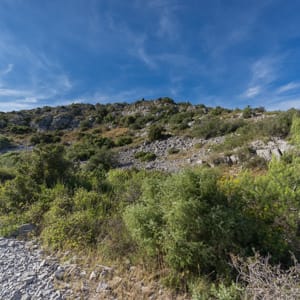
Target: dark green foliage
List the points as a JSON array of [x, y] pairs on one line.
[[124, 140], [278, 125], [173, 150], [18, 194], [5, 142], [211, 127], [180, 120], [128, 120], [218, 110], [48, 165], [102, 159], [145, 156], [190, 223], [166, 100], [155, 132], [89, 145], [20, 129], [44, 138], [247, 112], [85, 124], [6, 174]]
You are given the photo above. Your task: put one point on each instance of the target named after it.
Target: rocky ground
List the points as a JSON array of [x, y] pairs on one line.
[[193, 152], [25, 274]]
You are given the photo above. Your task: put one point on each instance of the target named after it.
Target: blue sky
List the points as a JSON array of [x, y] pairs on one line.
[[230, 53]]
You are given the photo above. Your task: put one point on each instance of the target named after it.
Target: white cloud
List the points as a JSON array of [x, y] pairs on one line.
[[264, 70], [12, 92], [263, 73], [252, 91], [288, 87]]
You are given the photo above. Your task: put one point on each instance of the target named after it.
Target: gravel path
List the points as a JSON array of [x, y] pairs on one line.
[[25, 274]]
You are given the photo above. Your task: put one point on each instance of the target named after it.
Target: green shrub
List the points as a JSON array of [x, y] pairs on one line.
[[173, 150], [5, 142], [44, 138], [20, 129], [211, 127], [85, 125], [247, 112], [102, 159], [47, 165], [156, 132], [145, 156], [6, 174], [180, 219], [124, 140]]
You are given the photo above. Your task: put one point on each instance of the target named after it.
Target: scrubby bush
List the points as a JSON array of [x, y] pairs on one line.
[[44, 138], [176, 220], [145, 156], [124, 140], [155, 132], [6, 174], [173, 151], [103, 159], [20, 129], [211, 127], [247, 112], [5, 142]]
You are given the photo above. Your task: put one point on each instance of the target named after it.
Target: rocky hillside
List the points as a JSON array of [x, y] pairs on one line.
[[100, 186], [159, 134]]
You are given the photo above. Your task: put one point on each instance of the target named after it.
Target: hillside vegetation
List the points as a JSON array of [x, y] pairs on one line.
[[185, 226]]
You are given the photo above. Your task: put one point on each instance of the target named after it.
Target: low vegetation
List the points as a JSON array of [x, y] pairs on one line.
[[184, 226]]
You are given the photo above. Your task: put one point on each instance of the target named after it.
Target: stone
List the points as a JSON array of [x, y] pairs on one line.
[[59, 274], [102, 287], [93, 275], [25, 274]]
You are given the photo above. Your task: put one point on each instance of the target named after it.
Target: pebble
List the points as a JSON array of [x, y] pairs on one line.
[[25, 274]]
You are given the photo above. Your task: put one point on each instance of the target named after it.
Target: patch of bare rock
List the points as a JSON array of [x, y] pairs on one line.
[[193, 151], [25, 274]]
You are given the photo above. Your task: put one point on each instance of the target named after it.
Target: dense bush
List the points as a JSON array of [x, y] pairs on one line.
[[44, 138], [155, 132], [102, 160], [124, 140], [192, 221], [211, 127], [5, 142], [145, 156]]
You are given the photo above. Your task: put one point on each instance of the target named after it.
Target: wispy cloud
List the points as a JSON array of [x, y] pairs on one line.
[[252, 91], [291, 86], [7, 70], [262, 73]]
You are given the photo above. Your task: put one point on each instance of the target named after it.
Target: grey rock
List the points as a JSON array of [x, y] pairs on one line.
[[61, 121], [59, 274], [93, 275], [25, 275], [102, 287]]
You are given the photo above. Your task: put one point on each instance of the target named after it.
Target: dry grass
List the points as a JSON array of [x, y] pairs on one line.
[[115, 132], [88, 270]]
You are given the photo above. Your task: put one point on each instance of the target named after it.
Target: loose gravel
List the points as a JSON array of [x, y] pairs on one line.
[[25, 274]]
